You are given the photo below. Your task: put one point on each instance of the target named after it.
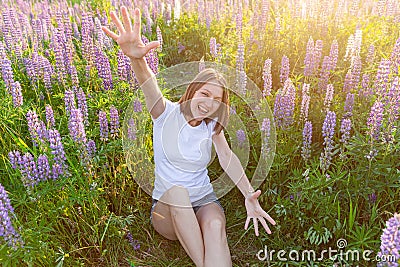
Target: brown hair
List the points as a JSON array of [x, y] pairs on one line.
[[208, 75]]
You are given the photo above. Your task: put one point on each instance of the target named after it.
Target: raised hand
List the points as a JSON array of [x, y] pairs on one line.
[[255, 212], [129, 39]]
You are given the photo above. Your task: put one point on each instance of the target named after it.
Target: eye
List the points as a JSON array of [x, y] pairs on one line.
[[204, 93]]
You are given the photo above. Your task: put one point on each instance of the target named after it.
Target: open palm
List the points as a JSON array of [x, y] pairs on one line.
[[129, 39]]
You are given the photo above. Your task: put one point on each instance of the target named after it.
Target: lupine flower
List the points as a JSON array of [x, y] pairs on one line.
[[232, 110], [305, 101], [239, 23], [372, 198], [213, 47], [7, 231], [317, 54], [29, 170], [241, 137], [328, 130], [137, 106], [57, 150], [76, 126], [43, 168], [241, 78], [134, 243], [348, 105], [266, 133], [131, 129], [374, 122], [349, 47], [91, 148], [285, 69], [395, 56], [15, 158], [309, 59], [333, 54], [159, 38], [82, 105], [103, 126], [151, 57], [371, 54], [34, 126], [7, 73], [356, 70], [328, 96], [348, 82], [365, 87], [69, 100], [50, 117], [307, 138], [114, 122], [181, 47], [284, 105], [390, 242], [325, 71], [16, 93], [382, 79], [345, 128], [267, 78]]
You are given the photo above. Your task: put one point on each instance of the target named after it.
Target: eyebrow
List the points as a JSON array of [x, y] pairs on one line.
[[211, 93]]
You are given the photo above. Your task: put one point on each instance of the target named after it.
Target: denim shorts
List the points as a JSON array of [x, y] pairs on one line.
[[196, 205]]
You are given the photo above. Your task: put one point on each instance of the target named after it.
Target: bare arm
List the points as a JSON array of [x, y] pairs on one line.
[[232, 166], [130, 41]]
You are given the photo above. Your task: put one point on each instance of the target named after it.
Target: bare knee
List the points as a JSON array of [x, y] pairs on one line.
[[214, 225]]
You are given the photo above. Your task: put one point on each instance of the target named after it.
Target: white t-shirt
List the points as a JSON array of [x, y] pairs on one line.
[[181, 153]]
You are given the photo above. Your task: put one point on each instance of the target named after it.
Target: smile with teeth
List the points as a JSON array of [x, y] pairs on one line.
[[202, 110]]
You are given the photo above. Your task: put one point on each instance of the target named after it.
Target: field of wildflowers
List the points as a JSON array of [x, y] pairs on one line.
[[329, 71]]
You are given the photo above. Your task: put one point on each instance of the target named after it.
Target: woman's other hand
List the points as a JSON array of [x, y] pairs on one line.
[[255, 212]]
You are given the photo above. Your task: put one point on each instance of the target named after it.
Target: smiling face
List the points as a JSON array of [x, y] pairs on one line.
[[206, 101]]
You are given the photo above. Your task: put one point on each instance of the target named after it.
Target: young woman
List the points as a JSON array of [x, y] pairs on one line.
[[185, 206]]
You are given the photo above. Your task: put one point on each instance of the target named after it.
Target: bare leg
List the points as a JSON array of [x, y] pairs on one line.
[[212, 222], [178, 221]]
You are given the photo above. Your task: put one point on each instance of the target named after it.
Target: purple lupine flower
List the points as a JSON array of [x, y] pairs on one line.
[[69, 100], [14, 157], [348, 105], [333, 54], [372, 198], [285, 69], [213, 47], [395, 56], [134, 243], [345, 128], [74, 76], [103, 126], [239, 23], [325, 72], [356, 71], [29, 170], [16, 93], [382, 78], [43, 168], [267, 78], [181, 47], [131, 129], [328, 96], [309, 59], [328, 130], [91, 148], [151, 57], [82, 105], [34, 126], [7, 230], [390, 242], [284, 105], [371, 54], [122, 73], [241, 137], [349, 48], [374, 122], [76, 126], [103, 68], [50, 117], [241, 78], [317, 54], [159, 38], [307, 138], [232, 109], [57, 150], [348, 82], [365, 87], [114, 122], [305, 102], [137, 106], [7, 73], [266, 134]]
